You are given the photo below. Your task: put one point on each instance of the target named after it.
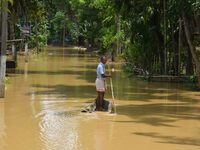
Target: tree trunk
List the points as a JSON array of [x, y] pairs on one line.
[[175, 50], [118, 24], [180, 45], [11, 34], [37, 39], [26, 52], [197, 21], [161, 52], [14, 53], [165, 36], [3, 50], [11, 23], [189, 65], [64, 30], [191, 47]]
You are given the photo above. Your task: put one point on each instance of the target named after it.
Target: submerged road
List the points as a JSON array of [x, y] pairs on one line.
[[41, 110]]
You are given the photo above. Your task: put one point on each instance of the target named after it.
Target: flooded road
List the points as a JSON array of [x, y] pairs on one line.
[[41, 110]]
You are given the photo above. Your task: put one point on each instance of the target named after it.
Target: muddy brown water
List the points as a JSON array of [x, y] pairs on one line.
[[41, 110]]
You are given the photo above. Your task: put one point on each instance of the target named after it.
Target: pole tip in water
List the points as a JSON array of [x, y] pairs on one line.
[[112, 114]]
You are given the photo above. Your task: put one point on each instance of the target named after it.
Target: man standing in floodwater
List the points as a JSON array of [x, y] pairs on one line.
[[101, 83]]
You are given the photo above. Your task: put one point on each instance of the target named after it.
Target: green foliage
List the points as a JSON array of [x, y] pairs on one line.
[[193, 79], [108, 38], [144, 21], [141, 32], [3, 3], [58, 23], [39, 34], [90, 22]]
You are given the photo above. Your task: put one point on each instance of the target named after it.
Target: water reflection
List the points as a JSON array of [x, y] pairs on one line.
[[59, 129], [2, 125], [25, 71]]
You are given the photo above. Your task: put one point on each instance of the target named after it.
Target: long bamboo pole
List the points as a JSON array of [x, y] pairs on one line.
[[112, 90]]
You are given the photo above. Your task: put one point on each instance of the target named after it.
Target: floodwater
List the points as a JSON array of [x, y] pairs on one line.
[[41, 110]]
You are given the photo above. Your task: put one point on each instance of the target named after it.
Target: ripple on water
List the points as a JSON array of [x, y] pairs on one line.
[[59, 130]]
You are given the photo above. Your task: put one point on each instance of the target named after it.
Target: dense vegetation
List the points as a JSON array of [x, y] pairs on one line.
[[161, 36]]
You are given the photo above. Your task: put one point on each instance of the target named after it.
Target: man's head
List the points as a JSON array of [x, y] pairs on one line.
[[103, 59]]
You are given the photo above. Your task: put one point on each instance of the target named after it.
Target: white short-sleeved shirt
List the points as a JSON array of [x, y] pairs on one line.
[[100, 70]]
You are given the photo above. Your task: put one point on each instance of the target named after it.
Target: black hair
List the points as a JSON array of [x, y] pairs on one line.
[[102, 58]]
